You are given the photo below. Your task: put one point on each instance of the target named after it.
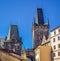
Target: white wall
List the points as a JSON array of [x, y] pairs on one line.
[[52, 35]]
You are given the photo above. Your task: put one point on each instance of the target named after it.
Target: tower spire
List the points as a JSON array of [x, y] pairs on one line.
[[39, 17]]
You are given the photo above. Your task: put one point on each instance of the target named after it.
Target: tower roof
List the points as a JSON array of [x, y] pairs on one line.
[[39, 17], [13, 32]]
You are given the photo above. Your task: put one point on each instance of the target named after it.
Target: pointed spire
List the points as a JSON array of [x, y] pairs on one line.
[[39, 16]]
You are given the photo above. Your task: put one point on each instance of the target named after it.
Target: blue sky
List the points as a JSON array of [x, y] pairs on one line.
[[22, 13]]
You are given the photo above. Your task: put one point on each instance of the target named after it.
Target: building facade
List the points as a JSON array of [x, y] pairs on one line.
[[55, 43], [13, 41], [39, 28], [43, 53]]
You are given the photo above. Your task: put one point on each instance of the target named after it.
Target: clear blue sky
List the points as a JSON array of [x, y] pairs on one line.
[[22, 13]]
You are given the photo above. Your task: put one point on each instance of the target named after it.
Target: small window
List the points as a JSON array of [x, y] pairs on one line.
[[58, 53], [58, 37], [54, 32], [54, 47], [18, 47], [53, 39], [58, 45]]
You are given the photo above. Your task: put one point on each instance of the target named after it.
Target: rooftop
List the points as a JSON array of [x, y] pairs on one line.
[[55, 28]]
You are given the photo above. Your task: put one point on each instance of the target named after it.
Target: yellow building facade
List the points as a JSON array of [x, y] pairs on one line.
[[43, 53]]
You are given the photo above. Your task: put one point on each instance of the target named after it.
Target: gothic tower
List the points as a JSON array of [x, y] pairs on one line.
[[13, 41], [39, 28]]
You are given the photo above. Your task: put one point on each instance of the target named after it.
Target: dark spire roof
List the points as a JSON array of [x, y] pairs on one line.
[[39, 18], [13, 32]]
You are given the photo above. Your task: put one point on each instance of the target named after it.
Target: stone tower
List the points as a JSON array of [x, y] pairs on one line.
[[13, 41], [13, 32], [39, 28]]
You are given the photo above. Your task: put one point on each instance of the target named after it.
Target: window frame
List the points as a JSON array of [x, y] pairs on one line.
[[54, 47], [58, 53], [54, 32], [53, 39]]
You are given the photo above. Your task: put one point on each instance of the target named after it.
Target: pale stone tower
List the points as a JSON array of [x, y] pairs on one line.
[[39, 28]]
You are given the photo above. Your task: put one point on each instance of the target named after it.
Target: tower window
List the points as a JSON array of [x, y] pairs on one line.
[[18, 47]]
